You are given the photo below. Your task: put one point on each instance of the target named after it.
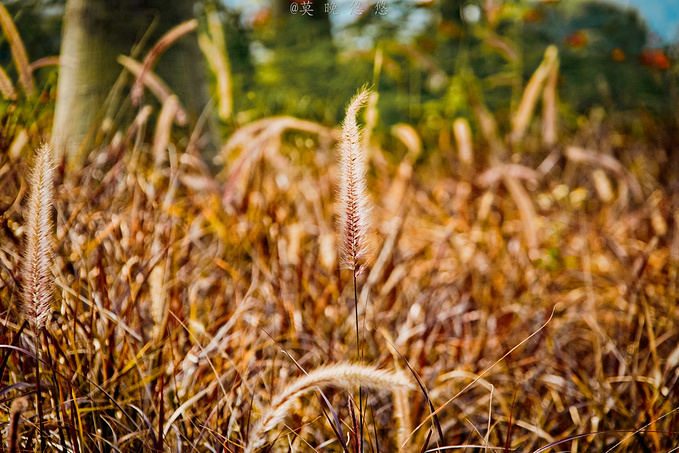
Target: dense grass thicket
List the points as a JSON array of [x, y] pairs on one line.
[[521, 293]]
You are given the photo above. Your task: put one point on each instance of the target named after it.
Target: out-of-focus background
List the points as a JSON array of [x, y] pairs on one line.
[[523, 177]]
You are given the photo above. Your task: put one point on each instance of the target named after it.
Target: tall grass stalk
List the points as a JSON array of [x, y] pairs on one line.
[[155, 85], [524, 113], [353, 212], [18, 50], [6, 86], [158, 49], [37, 266], [213, 45]]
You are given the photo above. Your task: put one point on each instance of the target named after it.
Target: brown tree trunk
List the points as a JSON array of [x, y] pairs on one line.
[[95, 33]]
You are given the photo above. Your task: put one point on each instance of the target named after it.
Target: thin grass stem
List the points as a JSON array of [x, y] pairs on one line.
[[38, 391], [360, 361]]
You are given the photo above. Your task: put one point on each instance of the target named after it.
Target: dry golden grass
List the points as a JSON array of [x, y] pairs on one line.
[[158, 49], [154, 84], [345, 376], [453, 283], [188, 305], [6, 86], [213, 45], [18, 51]]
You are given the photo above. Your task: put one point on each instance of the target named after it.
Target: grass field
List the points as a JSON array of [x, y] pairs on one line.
[[521, 293]]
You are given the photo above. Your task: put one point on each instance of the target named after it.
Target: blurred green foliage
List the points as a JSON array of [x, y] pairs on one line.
[[600, 46], [430, 58]]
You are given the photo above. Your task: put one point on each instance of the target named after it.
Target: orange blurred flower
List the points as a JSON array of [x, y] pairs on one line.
[[262, 17], [618, 55], [577, 40], [654, 58]]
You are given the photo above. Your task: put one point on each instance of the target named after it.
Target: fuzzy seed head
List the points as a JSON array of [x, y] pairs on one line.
[[353, 215], [37, 264]]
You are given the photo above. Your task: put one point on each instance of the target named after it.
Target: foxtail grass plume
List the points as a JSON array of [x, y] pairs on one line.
[[37, 265], [354, 223], [343, 375]]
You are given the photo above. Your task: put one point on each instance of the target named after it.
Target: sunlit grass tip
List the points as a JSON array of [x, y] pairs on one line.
[[37, 274], [343, 375], [354, 212]]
